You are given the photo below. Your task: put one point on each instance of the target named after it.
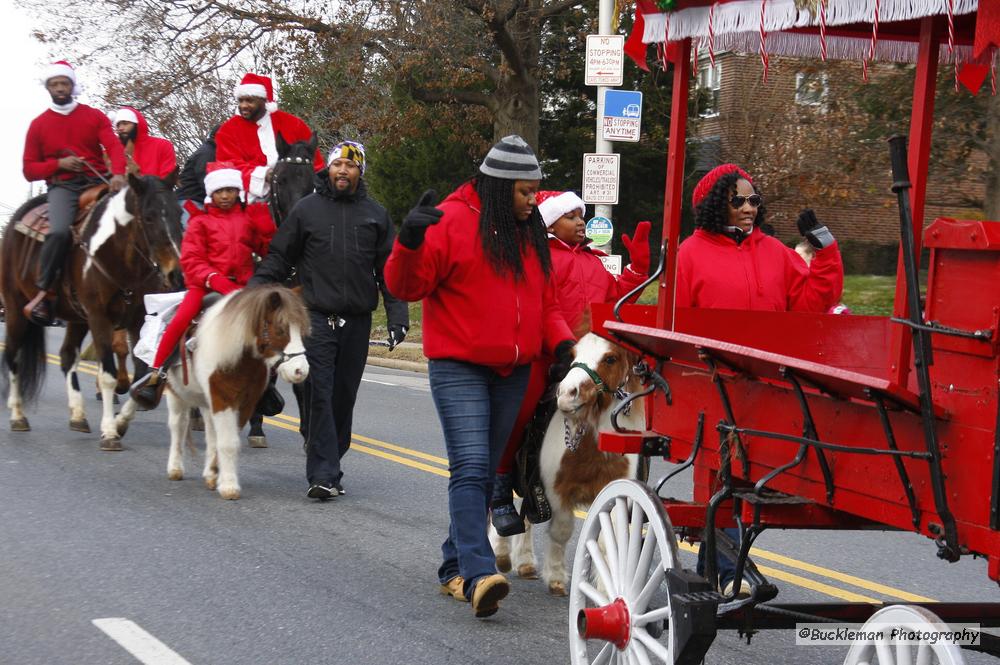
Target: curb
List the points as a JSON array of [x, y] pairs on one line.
[[392, 363]]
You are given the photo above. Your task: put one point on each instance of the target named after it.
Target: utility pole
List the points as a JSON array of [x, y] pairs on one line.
[[605, 9]]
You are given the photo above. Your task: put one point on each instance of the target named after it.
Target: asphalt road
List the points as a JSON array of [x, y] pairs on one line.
[[275, 578]]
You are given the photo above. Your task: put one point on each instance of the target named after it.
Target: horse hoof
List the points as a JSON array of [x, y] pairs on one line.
[[20, 425], [230, 494], [503, 563], [111, 444], [175, 474], [557, 588], [121, 429], [527, 571], [258, 441], [211, 483], [198, 424], [79, 426]]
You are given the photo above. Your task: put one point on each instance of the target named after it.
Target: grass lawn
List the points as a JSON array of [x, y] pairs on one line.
[[864, 294]]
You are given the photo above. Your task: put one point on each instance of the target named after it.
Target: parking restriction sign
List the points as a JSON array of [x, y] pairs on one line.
[[600, 177]]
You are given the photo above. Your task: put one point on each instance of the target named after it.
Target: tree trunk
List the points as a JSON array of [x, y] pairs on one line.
[[517, 95], [991, 197]]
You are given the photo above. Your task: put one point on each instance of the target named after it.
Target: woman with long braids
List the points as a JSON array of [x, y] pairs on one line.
[[480, 262], [731, 263]]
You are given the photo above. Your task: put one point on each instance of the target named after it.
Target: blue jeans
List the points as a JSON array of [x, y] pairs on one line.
[[723, 566], [477, 408]]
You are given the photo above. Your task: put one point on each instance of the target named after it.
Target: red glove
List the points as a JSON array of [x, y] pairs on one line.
[[638, 248], [221, 284]]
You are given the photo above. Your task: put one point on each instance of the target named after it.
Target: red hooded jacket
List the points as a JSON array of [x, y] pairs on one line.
[[582, 279], [218, 241], [470, 312], [758, 274], [153, 155]]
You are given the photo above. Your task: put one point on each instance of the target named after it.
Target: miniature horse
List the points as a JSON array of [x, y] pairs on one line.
[[238, 341], [129, 246], [291, 179], [573, 478]]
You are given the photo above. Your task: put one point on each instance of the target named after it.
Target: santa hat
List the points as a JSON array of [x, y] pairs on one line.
[[219, 175], [706, 184], [553, 205], [351, 150], [61, 68], [255, 85], [126, 114]]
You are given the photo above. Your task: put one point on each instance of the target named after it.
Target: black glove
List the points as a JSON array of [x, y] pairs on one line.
[[424, 214], [564, 358], [397, 334], [818, 235]]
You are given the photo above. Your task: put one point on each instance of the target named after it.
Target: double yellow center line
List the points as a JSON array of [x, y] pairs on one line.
[[439, 466]]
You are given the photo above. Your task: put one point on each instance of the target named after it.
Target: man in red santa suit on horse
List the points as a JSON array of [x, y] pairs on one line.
[[64, 148], [247, 140], [149, 155]]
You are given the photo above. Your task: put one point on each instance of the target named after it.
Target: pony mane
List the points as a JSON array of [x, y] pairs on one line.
[[231, 325], [33, 202]]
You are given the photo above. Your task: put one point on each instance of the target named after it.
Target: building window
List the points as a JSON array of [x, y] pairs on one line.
[[708, 83], [811, 88]]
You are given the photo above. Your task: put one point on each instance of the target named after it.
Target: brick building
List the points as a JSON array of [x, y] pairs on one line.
[[799, 135]]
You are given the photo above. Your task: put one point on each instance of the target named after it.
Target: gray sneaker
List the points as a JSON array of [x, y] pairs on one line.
[[322, 491]]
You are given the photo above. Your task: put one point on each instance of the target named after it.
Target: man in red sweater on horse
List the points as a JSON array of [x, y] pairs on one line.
[[64, 148], [149, 155], [247, 140]]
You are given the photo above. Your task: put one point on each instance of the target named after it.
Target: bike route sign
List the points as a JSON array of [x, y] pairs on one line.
[[622, 115]]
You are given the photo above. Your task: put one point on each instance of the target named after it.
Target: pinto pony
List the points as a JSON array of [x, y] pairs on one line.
[[128, 246], [239, 340], [573, 470]]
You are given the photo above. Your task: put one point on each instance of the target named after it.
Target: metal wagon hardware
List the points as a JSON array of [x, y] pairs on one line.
[[805, 421]]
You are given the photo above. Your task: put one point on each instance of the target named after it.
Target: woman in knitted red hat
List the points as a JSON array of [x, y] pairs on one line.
[[216, 255], [730, 263]]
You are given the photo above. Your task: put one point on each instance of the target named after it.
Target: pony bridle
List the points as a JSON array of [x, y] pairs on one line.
[[574, 437], [602, 387], [283, 357]]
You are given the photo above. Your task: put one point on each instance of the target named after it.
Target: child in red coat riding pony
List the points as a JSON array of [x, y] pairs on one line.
[[581, 279], [216, 255]]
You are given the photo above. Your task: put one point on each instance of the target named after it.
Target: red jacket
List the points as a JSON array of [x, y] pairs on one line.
[[582, 279], [470, 312], [238, 141], [153, 155], [758, 274], [221, 242], [52, 136]]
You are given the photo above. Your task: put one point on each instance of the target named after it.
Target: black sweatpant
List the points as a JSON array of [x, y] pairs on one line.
[[336, 362]]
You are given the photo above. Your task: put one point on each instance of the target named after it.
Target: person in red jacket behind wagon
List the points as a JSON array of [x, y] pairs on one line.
[[151, 155], [480, 263], [581, 279], [216, 255]]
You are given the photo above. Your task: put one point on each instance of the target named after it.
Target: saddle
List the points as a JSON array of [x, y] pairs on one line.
[[35, 223], [528, 472]]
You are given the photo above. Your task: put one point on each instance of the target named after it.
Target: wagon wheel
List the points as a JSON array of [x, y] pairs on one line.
[[626, 546], [896, 652]]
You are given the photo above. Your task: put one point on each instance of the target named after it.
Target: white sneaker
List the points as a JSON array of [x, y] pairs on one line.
[[744, 589]]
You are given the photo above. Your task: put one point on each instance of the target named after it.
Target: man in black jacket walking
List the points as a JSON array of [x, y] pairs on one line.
[[339, 239]]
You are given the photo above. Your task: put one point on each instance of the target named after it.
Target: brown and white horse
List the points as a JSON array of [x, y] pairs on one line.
[[573, 469], [238, 341]]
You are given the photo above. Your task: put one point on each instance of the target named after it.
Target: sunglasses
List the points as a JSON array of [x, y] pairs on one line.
[[754, 199]]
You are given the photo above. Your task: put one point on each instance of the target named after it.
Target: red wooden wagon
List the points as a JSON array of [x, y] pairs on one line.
[[795, 420]]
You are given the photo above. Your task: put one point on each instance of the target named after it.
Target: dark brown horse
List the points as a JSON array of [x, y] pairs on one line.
[[128, 246]]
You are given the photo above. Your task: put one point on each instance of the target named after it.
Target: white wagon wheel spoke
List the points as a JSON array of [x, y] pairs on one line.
[[891, 650], [610, 543]]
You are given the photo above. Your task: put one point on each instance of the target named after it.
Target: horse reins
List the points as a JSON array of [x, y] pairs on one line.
[[273, 198]]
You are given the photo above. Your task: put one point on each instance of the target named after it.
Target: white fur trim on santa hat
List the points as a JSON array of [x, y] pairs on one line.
[[126, 115], [553, 208], [250, 90], [216, 180]]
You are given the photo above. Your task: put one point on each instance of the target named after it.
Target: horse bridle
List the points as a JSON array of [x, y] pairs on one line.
[[602, 387], [284, 357], [273, 198]]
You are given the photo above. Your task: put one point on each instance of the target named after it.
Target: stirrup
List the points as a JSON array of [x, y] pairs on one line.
[[147, 391], [39, 310]]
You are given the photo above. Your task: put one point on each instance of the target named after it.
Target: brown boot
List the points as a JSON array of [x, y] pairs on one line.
[[146, 392], [39, 309]]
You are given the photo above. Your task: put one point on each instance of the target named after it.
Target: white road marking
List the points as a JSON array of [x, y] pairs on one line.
[[381, 383], [146, 648]]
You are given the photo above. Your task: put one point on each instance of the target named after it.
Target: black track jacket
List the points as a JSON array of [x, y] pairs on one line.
[[339, 243]]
